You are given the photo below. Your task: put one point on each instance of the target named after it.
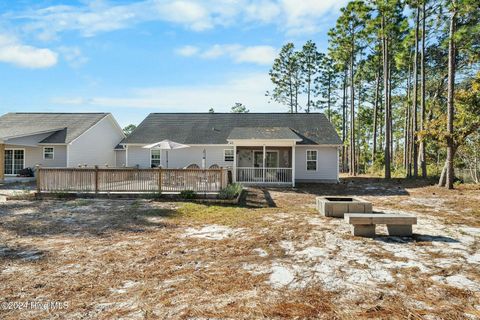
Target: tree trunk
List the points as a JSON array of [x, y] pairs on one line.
[[344, 121], [296, 97], [352, 114], [328, 97], [443, 176], [415, 94], [291, 95], [422, 151], [387, 102], [308, 92], [451, 91], [406, 137], [375, 115]]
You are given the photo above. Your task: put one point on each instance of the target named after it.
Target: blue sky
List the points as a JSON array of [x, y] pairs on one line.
[[136, 57]]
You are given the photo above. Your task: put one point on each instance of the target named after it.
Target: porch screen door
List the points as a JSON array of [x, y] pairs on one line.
[[14, 161]]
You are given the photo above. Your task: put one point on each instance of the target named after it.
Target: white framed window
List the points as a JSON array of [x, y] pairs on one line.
[[228, 155], [312, 156], [48, 153], [155, 158]]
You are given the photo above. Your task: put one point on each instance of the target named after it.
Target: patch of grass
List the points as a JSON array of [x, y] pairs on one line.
[[226, 215]]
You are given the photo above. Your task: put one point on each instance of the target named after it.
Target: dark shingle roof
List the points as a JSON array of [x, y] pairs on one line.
[[65, 127], [262, 133], [215, 128]]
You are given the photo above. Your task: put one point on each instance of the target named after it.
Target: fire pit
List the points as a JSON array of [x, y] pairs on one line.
[[332, 206]]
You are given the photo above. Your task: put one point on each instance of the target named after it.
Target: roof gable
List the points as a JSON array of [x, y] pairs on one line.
[[65, 127], [215, 128]]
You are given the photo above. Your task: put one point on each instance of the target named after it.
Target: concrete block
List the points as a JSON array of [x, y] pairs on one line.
[[363, 230], [339, 209], [356, 207], [399, 230]]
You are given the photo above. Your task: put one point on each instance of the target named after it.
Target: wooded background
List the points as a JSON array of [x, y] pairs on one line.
[[401, 83]]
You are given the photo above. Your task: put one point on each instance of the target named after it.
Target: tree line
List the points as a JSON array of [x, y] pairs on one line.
[[400, 81]]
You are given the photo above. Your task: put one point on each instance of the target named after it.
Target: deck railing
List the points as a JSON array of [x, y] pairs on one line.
[[264, 175], [130, 180]]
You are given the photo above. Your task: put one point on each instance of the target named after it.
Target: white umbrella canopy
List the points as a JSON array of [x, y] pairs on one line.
[[166, 145]]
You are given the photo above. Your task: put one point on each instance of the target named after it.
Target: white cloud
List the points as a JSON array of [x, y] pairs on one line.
[[187, 51], [14, 52], [258, 54], [308, 16], [293, 16], [263, 55], [73, 55], [248, 89]]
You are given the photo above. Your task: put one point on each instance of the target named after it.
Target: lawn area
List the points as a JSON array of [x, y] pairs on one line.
[[143, 259]]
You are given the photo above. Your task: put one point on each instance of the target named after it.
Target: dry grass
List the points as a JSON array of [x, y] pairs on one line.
[[147, 260]]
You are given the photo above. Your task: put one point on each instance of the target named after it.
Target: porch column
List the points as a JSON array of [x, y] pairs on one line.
[[2, 162], [234, 169], [293, 165], [263, 165]]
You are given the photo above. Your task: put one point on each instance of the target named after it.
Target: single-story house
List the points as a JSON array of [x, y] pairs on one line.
[[259, 148], [57, 140]]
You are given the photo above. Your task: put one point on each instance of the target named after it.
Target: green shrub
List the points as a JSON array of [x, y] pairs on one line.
[[230, 192], [188, 194]]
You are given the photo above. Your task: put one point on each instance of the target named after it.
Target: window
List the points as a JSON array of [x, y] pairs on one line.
[[228, 154], [48, 153], [311, 160], [155, 158]]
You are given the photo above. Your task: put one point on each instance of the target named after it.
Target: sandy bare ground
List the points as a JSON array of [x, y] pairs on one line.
[[141, 259]]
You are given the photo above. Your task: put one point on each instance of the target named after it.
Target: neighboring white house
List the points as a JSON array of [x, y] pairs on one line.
[[57, 140], [259, 148]]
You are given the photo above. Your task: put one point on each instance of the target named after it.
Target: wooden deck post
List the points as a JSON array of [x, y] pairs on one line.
[[96, 179], [263, 164], [37, 174], [221, 178], [293, 165], [159, 180], [2, 162]]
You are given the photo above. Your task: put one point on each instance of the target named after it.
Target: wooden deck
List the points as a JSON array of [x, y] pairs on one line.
[[97, 180]]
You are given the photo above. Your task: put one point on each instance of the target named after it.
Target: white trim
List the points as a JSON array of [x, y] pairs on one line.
[[52, 144], [263, 140], [338, 164], [67, 155], [117, 125], [264, 158], [13, 162], [160, 164], [234, 171], [224, 160], [306, 160], [293, 166], [53, 153], [126, 156], [190, 145]]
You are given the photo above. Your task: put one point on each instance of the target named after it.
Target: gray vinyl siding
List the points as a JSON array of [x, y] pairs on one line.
[[180, 158], [34, 155], [327, 164], [96, 145]]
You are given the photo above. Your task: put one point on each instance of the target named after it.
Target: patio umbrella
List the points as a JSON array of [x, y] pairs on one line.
[[166, 145]]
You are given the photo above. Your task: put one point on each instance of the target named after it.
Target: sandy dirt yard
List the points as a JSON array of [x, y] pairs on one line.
[[143, 259]]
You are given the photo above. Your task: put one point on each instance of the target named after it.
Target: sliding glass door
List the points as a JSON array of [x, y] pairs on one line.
[[14, 161]]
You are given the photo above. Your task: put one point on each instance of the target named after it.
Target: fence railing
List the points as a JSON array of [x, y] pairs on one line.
[[264, 175], [130, 180]]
